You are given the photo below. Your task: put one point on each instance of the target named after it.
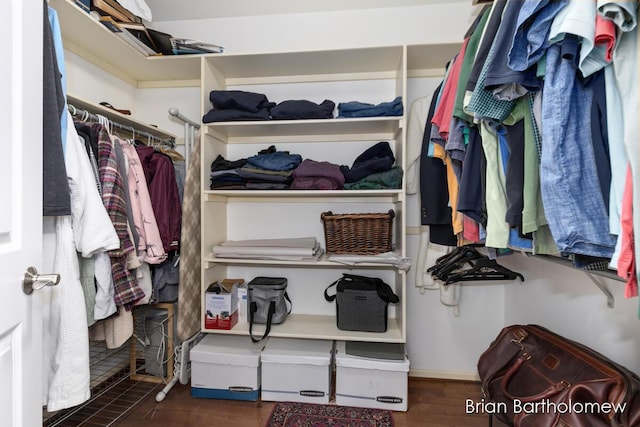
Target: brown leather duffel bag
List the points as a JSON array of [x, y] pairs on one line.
[[532, 377]]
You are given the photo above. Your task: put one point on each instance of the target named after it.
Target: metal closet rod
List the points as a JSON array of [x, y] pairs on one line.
[[87, 115], [176, 113]]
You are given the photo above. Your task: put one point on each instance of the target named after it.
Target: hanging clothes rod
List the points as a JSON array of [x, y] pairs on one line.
[[189, 131], [177, 114], [89, 116]]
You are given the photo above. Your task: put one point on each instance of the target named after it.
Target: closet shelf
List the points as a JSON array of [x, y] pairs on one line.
[[309, 66], [304, 196], [88, 38], [118, 117], [322, 262], [316, 327], [321, 130]]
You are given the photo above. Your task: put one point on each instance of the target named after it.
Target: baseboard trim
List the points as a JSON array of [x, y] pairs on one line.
[[444, 375]]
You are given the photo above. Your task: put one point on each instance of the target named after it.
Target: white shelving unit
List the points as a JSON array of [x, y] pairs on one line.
[[367, 74], [372, 75]]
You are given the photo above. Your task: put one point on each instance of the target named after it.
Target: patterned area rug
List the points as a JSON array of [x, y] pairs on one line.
[[292, 414]]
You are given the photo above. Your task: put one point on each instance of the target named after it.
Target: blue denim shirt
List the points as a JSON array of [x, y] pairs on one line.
[[573, 204], [530, 40], [278, 161]]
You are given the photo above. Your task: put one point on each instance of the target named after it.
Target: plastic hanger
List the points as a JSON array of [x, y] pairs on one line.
[[451, 256], [454, 261], [484, 269]]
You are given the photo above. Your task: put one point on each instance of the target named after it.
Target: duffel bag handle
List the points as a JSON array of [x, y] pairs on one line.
[[252, 309], [549, 392]]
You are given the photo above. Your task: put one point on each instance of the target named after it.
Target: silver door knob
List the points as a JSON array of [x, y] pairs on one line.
[[34, 281]]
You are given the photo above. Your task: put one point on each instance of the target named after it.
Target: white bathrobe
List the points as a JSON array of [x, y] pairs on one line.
[[88, 230]]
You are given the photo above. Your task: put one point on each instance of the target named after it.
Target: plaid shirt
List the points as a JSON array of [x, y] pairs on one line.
[[127, 291]]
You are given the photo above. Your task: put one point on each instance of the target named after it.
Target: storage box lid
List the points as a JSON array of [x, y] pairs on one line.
[[227, 350], [349, 361], [298, 351]]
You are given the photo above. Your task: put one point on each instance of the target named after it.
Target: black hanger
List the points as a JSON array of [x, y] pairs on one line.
[[484, 269], [454, 261], [444, 259]]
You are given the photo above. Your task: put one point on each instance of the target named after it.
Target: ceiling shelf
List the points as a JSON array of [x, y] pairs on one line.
[[83, 35]]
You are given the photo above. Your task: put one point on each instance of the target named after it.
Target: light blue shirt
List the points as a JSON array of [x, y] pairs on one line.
[[57, 41]]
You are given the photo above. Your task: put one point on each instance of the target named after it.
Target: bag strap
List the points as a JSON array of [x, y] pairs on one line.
[[385, 293], [330, 298], [252, 310], [383, 289], [286, 297]]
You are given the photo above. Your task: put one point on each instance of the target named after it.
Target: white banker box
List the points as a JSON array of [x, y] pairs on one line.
[[226, 367], [372, 375], [297, 370]]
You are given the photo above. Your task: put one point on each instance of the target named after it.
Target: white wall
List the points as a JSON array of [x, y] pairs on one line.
[[439, 343], [568, 302], [322, 30], [91, 83]]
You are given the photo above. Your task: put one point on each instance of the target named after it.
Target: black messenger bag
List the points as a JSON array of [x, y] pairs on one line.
[[361, 303]]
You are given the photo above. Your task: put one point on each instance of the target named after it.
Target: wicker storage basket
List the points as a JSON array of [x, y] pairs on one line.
[[358, 234]]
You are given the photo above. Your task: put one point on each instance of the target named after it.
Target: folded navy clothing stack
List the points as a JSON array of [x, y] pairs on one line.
[[235, 105], [303, 109], [362, 109], [232, 105], [270, 171], [377, 159], [313, 175], [224, 174]]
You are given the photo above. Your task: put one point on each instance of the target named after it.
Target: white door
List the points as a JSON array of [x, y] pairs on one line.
[[20, 212]]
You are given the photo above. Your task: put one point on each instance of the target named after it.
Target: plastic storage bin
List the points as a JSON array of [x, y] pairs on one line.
[[370, 379], [297, 370], [226, 367]]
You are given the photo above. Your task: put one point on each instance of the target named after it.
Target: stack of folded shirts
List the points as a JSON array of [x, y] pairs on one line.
[[224, 174], [364, 109], [233, 105], [373, 169], [270, 171], [292, 249], [297, 109]]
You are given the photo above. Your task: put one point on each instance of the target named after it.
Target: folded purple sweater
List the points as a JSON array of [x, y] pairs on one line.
[[311, 174]]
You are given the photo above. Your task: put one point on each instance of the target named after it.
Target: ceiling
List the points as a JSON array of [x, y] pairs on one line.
[[169, 10]]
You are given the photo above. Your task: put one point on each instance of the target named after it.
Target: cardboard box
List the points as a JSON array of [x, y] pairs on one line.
[[372, 382], [226, 367], [221, 304], [297, 370], [243, 314]]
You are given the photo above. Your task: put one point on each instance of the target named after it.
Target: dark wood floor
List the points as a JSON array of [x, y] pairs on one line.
[[432, 403]]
